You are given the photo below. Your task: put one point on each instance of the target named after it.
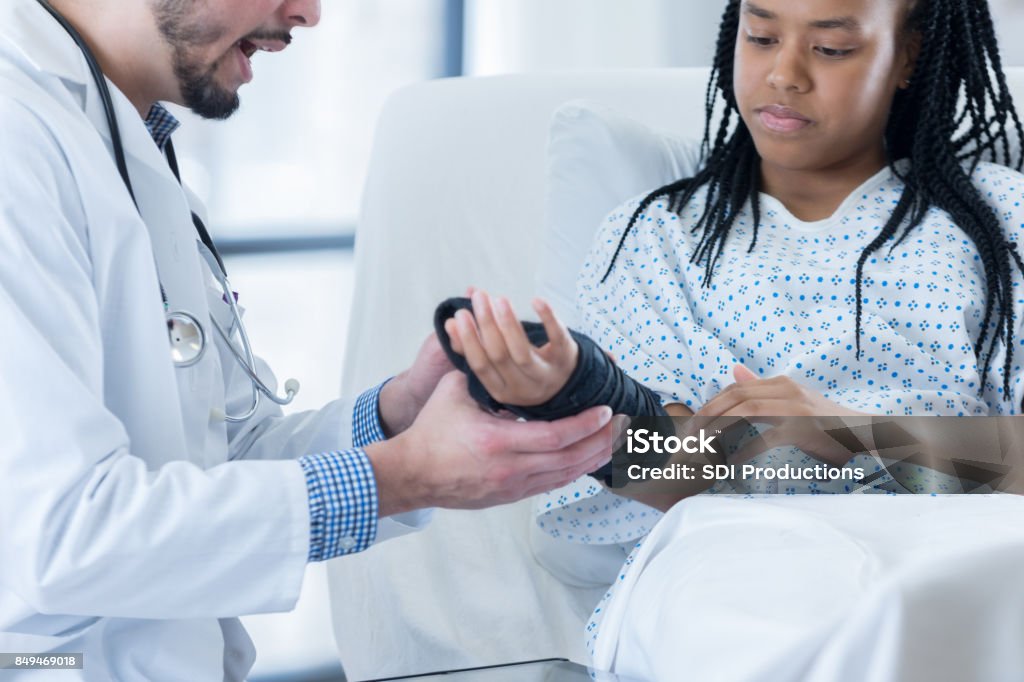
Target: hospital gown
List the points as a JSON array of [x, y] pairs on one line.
[[788, 308]]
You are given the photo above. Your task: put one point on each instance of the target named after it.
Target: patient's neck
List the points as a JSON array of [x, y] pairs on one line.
[[815, 194]]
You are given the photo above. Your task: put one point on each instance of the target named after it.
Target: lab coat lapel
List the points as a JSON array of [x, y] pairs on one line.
[[185, 278], [28, 27], [165, 211], [162, 203]]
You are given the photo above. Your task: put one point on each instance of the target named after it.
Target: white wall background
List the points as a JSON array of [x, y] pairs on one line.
[[507, 36], [1009, 20]]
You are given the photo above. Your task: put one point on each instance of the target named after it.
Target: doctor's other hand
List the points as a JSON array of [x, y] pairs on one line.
[[458, 456], [512, 369], [403, 397]]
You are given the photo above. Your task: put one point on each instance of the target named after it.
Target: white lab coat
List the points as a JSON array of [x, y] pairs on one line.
[[124, 531]]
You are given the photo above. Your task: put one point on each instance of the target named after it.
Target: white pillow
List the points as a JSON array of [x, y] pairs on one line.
[[597, 159]]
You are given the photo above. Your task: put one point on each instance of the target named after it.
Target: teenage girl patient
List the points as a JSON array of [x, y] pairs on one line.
[[843, 249]]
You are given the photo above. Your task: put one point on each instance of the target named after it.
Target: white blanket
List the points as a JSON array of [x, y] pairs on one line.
[[865, 588]]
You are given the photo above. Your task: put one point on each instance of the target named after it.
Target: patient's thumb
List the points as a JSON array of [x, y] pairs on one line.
[[743, 374]]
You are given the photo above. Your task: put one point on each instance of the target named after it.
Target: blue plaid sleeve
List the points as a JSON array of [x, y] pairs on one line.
[[366, 426], [343, 506]]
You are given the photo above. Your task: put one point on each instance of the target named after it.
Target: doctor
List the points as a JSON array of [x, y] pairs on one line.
[[142, 508]]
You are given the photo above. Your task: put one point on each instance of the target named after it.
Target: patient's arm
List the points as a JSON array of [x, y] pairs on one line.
[[536, 371], [663, 495], [530, 361], [512, 369]]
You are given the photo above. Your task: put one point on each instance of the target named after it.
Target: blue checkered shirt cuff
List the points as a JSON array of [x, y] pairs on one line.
[[366, 426], [343, 506]]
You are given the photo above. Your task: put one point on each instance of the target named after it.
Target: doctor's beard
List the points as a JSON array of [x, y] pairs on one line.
[[201, 92], [185, 33]]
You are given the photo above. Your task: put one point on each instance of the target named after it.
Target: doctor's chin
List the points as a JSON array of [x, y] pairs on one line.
[[547, 340]]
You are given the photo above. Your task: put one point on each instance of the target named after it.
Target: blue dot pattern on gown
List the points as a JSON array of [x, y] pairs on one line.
[[788, 308]]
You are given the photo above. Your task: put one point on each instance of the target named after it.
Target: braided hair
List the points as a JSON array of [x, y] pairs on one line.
[[957, 109]]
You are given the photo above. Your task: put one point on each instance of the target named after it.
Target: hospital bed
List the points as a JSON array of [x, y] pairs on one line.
[[456, 195]]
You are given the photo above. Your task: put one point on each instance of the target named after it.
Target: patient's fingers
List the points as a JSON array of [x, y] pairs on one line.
[[759, 444], [744, 392], [558, 334], [493, 341], [452, 330], [519, 346], [474, 352]]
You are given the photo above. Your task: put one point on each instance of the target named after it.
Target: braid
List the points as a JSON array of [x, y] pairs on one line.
[[956, 111], [713, 158]]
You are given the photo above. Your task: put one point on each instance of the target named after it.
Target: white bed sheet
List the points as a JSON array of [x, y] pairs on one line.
[[865, 588]]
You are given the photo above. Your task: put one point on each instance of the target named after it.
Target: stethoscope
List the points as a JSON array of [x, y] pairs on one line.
[[187, 336]]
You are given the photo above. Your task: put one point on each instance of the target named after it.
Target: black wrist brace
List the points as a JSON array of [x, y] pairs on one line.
[[595, 381]]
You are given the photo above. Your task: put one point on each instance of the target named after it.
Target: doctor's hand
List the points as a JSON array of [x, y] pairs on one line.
[[403, 397], [458, 456]]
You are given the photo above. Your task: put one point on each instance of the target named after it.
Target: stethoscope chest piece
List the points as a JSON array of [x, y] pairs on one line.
[[187, 337], [188, 340]]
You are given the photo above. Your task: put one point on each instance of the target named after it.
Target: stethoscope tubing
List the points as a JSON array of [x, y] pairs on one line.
[[206, 245]]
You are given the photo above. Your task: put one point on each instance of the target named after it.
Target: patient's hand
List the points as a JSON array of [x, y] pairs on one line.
[[776, 401], [513, 370]]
